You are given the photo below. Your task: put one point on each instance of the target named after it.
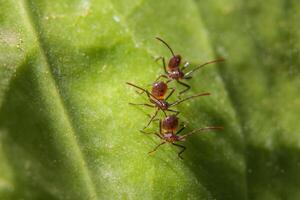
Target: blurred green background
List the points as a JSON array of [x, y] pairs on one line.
[[67, 131]]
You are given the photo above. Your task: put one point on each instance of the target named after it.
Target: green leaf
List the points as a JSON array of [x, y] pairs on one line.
[[261, 43], [67, 131]]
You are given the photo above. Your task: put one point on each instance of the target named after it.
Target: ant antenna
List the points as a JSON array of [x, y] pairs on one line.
[[207, 63], [202, 129], [166, 45], [190, 97], [147, 92]]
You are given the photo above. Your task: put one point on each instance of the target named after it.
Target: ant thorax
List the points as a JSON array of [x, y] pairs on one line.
[[178, 74], [171, 137], [162, 104]]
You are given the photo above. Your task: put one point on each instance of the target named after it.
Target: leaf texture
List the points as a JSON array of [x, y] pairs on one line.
[[67, 131]]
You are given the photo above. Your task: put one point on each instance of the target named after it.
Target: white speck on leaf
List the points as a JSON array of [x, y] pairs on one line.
[[85, 7], [116, 18]]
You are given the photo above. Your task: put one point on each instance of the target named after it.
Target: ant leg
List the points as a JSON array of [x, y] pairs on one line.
[[164, 113], [160, 128], [151, 133], [159, 135], [142, 131], [185, 85], [179, 131], [158, 58], [164, 63], [161, 76], [183, 148], [170, 94], [141, 92], [201, 130], [152, 118], [190, 97], [169, 80], [164, 142], [142, 104], [175, 111]]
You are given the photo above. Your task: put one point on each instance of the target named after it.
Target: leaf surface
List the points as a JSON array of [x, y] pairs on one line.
[[67, 131]]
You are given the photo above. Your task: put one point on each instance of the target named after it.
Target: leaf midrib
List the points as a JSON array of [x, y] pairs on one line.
[[35, 30]]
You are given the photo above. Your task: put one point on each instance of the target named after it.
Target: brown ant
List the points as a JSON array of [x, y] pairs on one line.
[[158, 99], [174, 72], [167, 129]]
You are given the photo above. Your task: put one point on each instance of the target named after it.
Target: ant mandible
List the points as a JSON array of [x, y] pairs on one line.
[[158, 100], [174, 72], [167, 129]]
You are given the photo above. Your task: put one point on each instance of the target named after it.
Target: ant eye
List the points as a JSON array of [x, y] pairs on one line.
[[178, 59]]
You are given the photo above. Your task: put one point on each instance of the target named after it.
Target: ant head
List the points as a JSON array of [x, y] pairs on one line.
[[170, 123], [174, 62], [159, 89]]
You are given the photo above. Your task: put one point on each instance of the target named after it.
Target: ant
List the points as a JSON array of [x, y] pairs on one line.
[[174, 72], [158, 99], [167, 129]]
